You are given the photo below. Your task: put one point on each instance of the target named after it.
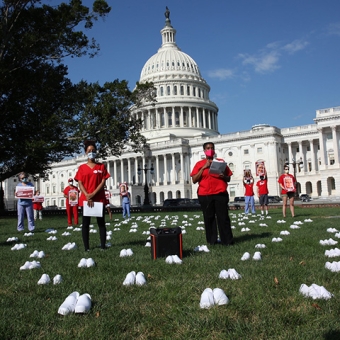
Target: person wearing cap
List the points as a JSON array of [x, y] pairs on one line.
[[71, 193], [288, 187]]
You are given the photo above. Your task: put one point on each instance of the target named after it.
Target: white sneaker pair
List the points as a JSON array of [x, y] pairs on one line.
[[126, 252], [86, 263], [211, 297], [173, 259], [19, 246], [229, 274], [69, 246], [12, 239], [256, 257], [66, 233], [315, 291], [30, 265], [29, 234], [52, 238], [75, 303], [276, 239], [202, 248], [38, 254], [132, 278]]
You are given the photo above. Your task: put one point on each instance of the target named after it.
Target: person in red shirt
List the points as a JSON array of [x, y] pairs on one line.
[[213, 197], [288, 187], [71, 193], [262, 193], [91, 177], [248, 184], [37, 206]]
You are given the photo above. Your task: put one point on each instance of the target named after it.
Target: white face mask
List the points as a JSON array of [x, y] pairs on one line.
[[92, 155], [286, 171]]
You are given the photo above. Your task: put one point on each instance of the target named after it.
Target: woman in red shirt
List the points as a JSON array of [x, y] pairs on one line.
[[213, 197], [91, 177], [288, 185], [37, 206]]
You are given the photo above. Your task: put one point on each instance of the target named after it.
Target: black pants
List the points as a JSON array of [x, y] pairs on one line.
[[86, 230], [215, 214]]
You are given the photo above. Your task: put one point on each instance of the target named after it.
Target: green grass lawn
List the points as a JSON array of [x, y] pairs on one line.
[[264, 304]]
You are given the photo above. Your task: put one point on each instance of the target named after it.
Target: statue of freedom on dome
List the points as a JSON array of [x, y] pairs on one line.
[[167, 13]]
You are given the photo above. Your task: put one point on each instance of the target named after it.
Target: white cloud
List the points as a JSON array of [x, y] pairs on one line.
[[294, 46], [264, 62], [221, 73], [334, 29]]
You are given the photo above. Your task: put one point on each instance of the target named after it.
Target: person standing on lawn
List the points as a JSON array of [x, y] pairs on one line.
[[262, 193], [288, 187], [213, 197], [37, 206], [71, 193], [248, 183], [91, 177]]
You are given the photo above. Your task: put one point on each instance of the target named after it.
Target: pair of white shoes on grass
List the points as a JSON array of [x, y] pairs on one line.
[[332, 230], [260, 245], [315, 291], [76, 303], [256, 257], [202, 248], [211, 297], [45, 279], [126, 252], [245, 229], [333, 252], [276, 239], [294, 226], [12, 239], [19, 246], [52, 238], [29, 234], [284, 232], [329, 242], [38, 254], [173, 259], [200, 228], [333, 267], [133, 278], [69, 246], [30, 265], [229, 274], [66, 233], [86, 263]]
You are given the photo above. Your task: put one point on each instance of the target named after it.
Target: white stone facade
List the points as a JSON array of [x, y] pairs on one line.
[[182, 120]]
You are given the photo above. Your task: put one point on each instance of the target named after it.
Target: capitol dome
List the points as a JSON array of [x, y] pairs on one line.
[[183, 108]]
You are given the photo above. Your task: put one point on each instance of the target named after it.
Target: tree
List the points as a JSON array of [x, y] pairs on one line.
[[43, 114]]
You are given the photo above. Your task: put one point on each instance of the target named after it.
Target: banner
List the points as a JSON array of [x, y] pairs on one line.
[[25, 192]]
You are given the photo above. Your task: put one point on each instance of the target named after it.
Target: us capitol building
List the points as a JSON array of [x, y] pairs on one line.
[[181, 121]]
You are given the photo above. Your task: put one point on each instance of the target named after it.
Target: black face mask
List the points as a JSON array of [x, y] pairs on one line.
[[262, 178]]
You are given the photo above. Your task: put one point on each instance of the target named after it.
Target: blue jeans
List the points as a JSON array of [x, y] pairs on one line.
[[21, 217], [126, 209], [249, 201]]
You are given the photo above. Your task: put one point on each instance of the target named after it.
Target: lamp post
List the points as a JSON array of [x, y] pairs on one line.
[[295, 163], [146, 187]]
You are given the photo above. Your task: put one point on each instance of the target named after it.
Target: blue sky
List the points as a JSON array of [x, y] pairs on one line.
[[266, 61]]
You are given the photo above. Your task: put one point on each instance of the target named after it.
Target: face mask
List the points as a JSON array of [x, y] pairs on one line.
[[92, 155], [209, 153], [24, 180], [286, 171], [261, 178], [70, 183]]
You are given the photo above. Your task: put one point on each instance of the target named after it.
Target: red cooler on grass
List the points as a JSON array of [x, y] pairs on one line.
[[165, 242]]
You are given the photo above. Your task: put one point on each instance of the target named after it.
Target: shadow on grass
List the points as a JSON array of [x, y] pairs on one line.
[[247, 237], [332, 335]]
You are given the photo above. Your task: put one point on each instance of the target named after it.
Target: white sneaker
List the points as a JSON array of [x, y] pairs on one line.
[[72, 246], [123, 253], [90, 263], [246, 256], [65, 247], [129, 252], [130, 279], [83, 304], [57, 279], [219, 297], [25, 266], [34, 264], [140, 279], [176, 259], [82, 263], [169, 259], [35, 254], [233, 274], [223, 274], [41, 254], [204, 248], [207, 298], [69, 304], [44, 280], [147, 244], [257, 256]]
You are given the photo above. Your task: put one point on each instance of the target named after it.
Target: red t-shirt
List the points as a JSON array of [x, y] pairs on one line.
[[210, 184], [288, 181], [67, 190], [249, 189], [91, 178], [263, 187], [37, 206]]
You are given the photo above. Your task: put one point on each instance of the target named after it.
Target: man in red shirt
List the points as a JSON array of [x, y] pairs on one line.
[[213, 197], [248, 184], [71, 193]]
